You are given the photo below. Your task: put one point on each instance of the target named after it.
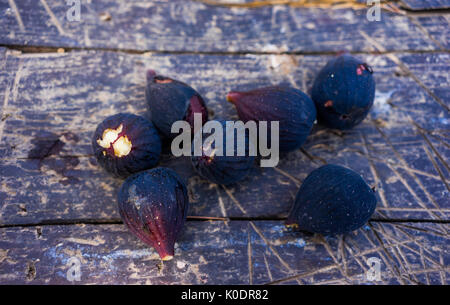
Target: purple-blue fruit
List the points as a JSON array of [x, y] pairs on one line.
[[154, 205], [223, 169], [332, 200], [125, 144], [170, 100], [291, 107], [344, 91]]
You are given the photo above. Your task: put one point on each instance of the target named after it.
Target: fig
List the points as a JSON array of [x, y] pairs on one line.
[[125, 144], [343, 91], [154, 205], [223, 168], [170, 100], [294, 110], [332, 200]]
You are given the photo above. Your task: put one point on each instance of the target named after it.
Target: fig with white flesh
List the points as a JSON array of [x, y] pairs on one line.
[[125, 144]]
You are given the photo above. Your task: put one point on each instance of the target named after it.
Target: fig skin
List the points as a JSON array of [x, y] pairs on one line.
[[344, 92], [291, 107], [170, 100], [332, 200], [223, 169], [154, 205], [139, 133]]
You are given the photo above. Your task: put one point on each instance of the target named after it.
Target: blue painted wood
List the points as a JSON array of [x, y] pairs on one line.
[[417, 5], [180, 25], [51, 102], [436, 27], [51, 113], [235, 252]]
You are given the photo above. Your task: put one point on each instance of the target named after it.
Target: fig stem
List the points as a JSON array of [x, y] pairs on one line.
[[232, 97]]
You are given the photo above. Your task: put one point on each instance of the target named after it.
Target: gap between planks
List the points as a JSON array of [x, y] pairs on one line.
[[33, 49], [390, 6], [70, 222]]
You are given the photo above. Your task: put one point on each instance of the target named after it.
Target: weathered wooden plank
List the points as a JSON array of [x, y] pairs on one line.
[[75, 94], [418, 5], [180, 25], [71, 188], [408, 182], [432, 72], [437, 27], [56, 100], [235, 252]]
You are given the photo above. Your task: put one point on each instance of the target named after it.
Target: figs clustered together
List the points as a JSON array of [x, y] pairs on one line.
[[154, 202]]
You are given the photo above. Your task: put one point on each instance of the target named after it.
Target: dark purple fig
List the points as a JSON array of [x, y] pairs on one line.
[[154, 205], [344, 91], [125, 144], [223, 169], [332, 200], [170, 100], [291, 107]]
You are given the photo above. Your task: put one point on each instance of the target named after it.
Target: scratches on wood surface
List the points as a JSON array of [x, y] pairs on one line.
[[404, 181], [425, 5], [272, 248], [426, 32], [53, 17], [249, 254], [56, 201], [8, 91], [293, 3], [438, 155], [46, 136], [436, 167], [327, 247], [374, 172], [387, 258], [13, 6], [234, 200], [192, 26], [404, 68], [4, 115], [220, 200], [293, 179]]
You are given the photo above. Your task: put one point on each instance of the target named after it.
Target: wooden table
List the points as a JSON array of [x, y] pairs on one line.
[[59, 222]]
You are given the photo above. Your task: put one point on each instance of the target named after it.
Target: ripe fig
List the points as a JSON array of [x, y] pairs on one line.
[[291, 107], [224, 169], [343, 91], [154, 205], [332, 200], [170, 100], [125, 144]]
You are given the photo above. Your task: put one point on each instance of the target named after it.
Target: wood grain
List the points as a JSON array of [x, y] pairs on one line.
[[193, 26], [417, 5], [60, 78], [48, 171], [109, 254]]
